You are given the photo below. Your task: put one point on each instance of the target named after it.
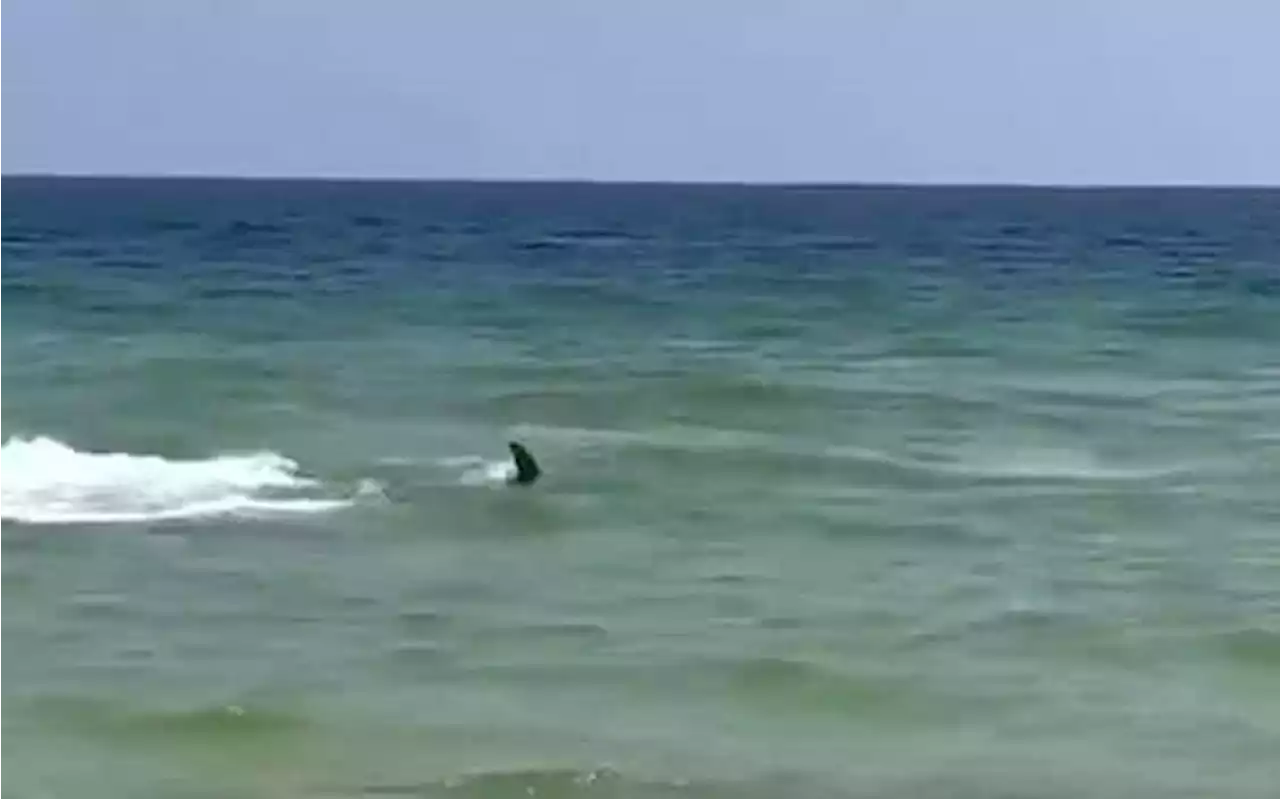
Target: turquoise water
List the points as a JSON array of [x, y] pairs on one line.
[[849, 492]]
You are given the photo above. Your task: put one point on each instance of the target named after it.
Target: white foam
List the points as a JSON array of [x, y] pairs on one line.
[[489, 473], [44, 481], [479, 471]]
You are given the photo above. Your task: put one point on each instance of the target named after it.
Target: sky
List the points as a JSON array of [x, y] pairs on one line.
[[900, 91]]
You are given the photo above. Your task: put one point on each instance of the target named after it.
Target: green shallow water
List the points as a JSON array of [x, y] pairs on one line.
[[936, 493]]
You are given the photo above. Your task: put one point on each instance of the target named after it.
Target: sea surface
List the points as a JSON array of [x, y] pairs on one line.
[[849, 491]]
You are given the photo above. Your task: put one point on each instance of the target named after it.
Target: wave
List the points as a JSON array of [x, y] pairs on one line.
[[480, 471], [1046, 463], [583, 783], [48, 482], [990, 462]]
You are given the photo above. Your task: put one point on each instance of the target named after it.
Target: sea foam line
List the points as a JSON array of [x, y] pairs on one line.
[[45, 481]]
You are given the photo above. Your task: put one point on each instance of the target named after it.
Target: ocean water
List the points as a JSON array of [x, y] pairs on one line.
[[849, 492]]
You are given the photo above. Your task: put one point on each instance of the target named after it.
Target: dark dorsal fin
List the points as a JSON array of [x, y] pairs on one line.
[[527, 469]]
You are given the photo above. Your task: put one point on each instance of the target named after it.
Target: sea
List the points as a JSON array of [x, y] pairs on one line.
[[848, 491]]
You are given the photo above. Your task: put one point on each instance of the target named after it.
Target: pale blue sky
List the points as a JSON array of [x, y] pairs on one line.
[[1023, 91]]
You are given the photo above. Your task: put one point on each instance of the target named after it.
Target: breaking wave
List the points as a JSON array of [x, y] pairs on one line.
[[48, 482]]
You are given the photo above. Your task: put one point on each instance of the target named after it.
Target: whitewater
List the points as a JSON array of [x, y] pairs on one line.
[[46, 481]]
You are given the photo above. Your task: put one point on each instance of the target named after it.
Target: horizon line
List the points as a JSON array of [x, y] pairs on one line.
[[657, 182]]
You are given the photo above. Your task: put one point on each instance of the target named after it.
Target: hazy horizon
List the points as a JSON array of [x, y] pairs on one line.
[[994, 92], [445, 179]]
